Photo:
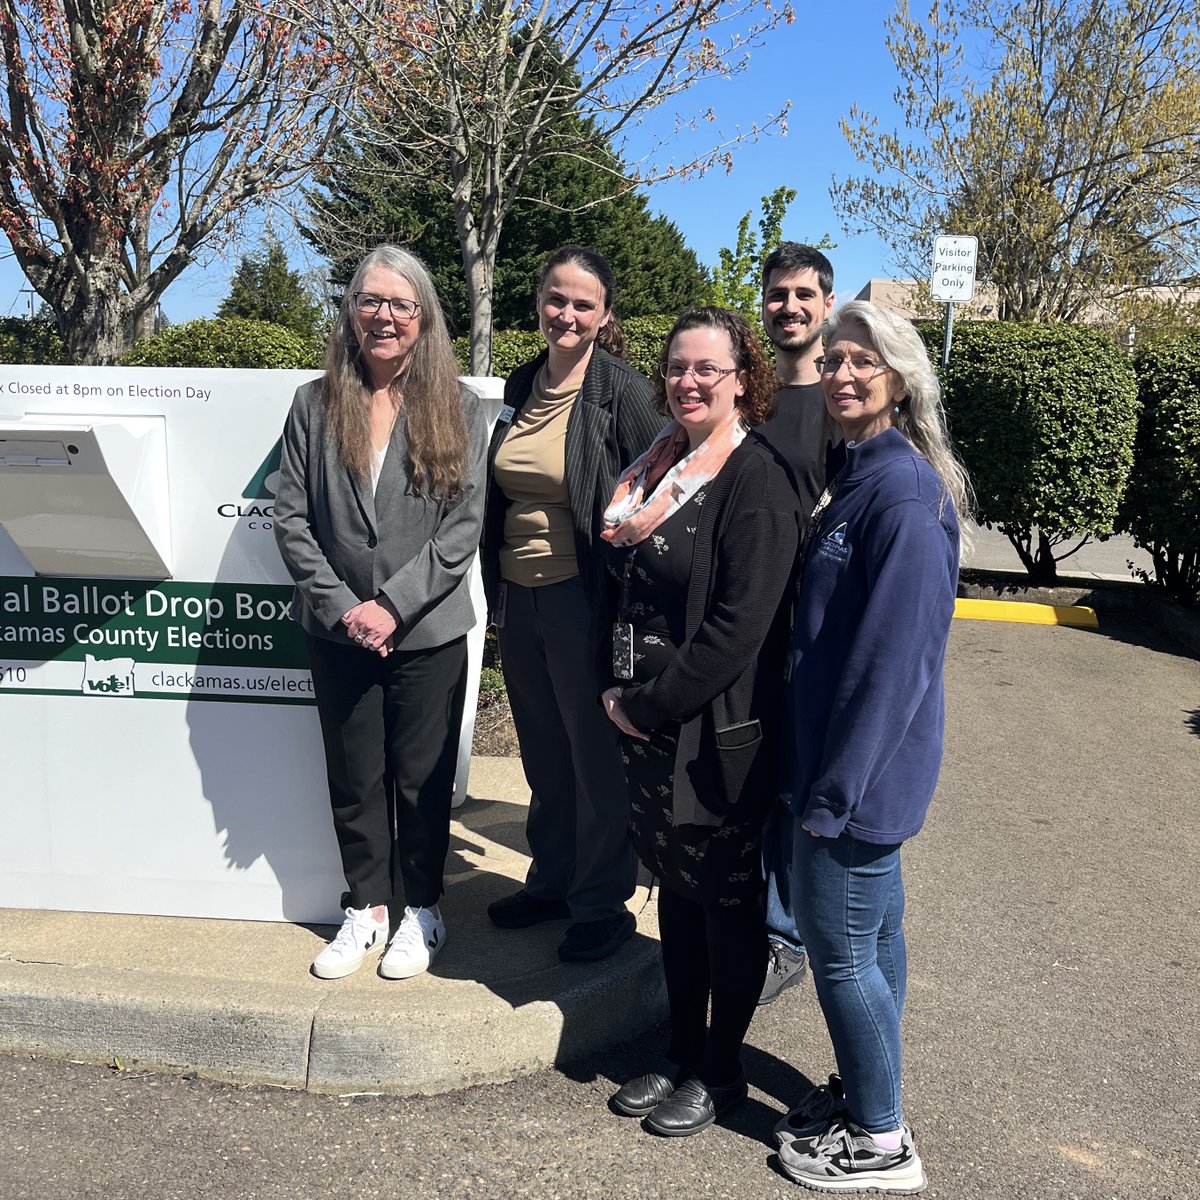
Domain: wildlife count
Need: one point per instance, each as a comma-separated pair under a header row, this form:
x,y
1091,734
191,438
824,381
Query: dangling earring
x,y
895,408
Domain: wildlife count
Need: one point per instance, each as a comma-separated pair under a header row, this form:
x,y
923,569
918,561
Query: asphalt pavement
x,y
1052,1033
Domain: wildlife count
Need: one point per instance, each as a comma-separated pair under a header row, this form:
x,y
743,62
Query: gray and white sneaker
x,y
361,934
846,1159
417,942
785,966
805,1124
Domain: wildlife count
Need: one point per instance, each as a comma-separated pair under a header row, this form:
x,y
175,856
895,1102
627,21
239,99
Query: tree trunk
x,y
95,328
480,274
1040,563
1044,572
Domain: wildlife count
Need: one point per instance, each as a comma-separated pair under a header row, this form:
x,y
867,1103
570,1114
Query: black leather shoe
x,y
644,1094
587,941
522,910
692,1107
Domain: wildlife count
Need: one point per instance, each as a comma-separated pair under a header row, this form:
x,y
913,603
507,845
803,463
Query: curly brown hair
x,y
758,402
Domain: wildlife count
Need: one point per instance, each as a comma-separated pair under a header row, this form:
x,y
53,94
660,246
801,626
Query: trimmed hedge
x,y
1162,507
225,342
1044,418
644,337
28,342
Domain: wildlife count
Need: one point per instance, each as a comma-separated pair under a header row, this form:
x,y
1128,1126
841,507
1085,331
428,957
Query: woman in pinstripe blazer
x,y
572,419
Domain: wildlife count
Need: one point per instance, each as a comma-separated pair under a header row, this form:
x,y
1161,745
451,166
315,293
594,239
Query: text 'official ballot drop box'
x,y
160,746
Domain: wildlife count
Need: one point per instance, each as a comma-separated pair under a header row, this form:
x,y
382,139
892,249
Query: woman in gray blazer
x,y
572,418
377,516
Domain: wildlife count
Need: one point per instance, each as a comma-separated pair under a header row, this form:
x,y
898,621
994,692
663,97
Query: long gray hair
x,y
427,389
921,418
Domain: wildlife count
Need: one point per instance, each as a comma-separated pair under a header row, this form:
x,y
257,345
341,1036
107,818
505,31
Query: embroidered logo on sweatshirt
x,y
834,544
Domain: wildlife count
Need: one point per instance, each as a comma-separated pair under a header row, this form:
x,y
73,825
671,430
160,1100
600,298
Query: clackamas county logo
x,y
256,510
834,544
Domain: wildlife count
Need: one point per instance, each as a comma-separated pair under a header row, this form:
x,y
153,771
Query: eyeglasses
x,y
862,366
706,374
402,311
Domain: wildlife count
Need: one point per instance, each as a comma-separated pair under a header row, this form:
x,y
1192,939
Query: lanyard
x,y
626,580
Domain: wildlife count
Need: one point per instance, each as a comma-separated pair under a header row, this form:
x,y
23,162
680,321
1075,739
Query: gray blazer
x,y
343,545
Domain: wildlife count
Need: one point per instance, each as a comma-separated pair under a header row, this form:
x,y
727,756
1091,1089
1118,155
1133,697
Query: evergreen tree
x,y
265,289
365,201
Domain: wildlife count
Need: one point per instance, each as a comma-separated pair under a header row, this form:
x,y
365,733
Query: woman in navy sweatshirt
x,y
879,576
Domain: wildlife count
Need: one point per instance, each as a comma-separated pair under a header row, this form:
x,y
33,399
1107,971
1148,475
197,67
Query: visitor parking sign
x,y
953,277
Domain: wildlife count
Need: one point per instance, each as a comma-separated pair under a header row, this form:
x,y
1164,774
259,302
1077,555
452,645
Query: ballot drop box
x,y
159,743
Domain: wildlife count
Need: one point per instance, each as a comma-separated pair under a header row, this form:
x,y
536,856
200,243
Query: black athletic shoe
x,y
587,941
522,910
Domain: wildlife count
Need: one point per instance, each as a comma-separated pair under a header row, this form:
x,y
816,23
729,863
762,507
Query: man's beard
x,y
802,347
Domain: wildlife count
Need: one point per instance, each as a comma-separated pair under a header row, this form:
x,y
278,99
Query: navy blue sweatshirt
x,y
872,622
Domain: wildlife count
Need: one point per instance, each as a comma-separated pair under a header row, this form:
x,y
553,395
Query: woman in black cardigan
x,y
709,525
572,418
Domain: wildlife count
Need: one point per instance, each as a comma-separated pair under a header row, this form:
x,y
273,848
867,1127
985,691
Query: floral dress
x,y
713,865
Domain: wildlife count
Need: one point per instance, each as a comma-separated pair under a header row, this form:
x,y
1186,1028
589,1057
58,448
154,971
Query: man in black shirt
x,y
797,298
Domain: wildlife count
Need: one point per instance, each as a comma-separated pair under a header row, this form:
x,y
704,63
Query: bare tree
x,y
1065,134
469,93
133,133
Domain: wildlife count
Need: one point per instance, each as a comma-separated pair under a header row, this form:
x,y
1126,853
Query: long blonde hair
x,y
921,417
426,390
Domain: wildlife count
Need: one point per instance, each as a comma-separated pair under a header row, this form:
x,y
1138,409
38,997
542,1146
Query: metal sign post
x,y
952,280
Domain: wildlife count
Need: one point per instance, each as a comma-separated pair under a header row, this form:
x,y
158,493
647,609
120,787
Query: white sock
x,y
888,1141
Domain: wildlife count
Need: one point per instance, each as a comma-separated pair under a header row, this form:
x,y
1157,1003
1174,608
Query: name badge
x,y
506,414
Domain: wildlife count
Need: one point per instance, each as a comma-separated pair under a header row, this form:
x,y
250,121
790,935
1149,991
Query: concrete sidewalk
x,y
234,1000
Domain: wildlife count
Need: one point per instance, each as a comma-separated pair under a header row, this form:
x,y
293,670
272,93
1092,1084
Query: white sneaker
x,y
360,934
420,936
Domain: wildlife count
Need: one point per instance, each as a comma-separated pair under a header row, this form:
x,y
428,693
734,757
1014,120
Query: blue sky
x,y
831,57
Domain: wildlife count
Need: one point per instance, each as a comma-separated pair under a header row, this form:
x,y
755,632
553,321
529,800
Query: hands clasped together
x,y
372,623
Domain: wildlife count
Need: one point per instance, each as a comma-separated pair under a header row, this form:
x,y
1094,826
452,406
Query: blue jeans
x,y
777,868
849,898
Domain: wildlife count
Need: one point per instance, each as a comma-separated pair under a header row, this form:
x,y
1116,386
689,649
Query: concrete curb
x,y
234,1000
1107,596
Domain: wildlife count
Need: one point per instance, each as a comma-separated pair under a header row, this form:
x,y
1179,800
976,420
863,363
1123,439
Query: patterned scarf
x,y
665,478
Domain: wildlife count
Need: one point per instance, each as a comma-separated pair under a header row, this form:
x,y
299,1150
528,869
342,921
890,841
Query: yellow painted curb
x,y
1030,614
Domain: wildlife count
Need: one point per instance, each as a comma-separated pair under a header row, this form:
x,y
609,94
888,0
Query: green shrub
x,y
1044,418
225,342
510,348
29,342
1162,506
644,338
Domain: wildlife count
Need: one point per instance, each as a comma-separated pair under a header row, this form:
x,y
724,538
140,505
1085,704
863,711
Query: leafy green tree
x,y
365,200
264,288
1071,155
737,279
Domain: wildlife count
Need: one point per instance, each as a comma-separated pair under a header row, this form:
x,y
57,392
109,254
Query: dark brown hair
x,y
758,402
610,336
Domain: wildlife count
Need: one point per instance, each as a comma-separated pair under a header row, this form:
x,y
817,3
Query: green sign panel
x,y
170,640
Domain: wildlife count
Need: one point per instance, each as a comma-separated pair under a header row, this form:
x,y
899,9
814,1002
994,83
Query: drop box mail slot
x,y
88,498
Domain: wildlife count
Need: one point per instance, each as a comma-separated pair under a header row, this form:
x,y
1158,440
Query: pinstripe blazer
x,y
343,544
612,421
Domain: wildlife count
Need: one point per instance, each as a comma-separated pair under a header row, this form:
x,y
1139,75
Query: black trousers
x,y
716,953
391,728
578,826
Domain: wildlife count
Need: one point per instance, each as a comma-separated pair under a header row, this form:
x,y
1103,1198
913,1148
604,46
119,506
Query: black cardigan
x,y
730,667
612,421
